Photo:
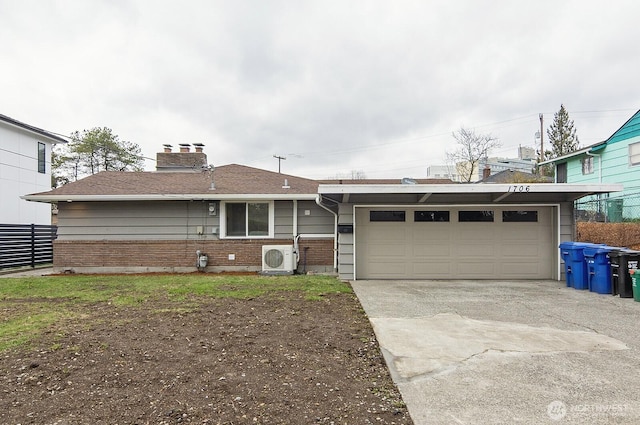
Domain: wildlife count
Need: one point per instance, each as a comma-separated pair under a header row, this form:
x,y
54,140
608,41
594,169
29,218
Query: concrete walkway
x,y
27,272
530,352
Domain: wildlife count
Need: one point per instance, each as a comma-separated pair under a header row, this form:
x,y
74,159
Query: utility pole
x,y
279,158
541,138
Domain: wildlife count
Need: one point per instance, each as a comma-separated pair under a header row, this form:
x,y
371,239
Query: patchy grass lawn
x,y
192,348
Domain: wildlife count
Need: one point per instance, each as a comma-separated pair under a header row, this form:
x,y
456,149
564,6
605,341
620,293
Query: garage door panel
x,y
475,249
512,249
431,250
466,233
383,267
519,269
431,269
476,269
391,250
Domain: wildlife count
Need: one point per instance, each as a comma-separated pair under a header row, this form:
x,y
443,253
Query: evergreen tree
x,y
562,135
93,151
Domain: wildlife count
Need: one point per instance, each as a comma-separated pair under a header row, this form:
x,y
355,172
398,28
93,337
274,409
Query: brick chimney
x,y
183,161
486,173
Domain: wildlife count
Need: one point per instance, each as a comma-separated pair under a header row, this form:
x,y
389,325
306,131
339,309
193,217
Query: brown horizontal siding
x,y
156,254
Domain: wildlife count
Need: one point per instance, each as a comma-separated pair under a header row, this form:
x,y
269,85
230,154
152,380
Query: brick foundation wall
x,y
180,255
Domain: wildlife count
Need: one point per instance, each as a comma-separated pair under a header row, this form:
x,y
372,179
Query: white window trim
x,y
636,155
223,219
587,160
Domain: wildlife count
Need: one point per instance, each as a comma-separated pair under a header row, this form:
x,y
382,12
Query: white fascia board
x,y
569,155
326,189
169,197
52,138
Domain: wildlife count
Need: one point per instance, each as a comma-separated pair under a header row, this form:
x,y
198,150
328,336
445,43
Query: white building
x,y
25,167
442,172
525,163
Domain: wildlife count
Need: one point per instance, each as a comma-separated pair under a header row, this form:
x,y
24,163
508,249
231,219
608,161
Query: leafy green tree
x,y
93,151
562,135
471,149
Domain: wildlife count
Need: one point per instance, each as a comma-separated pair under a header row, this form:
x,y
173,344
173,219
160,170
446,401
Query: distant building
x,y
442,172
524,163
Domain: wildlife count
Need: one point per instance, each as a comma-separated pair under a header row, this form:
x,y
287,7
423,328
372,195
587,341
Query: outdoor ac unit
x,y
278,259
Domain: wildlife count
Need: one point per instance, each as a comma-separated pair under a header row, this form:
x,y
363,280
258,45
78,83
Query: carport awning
x,y
439,194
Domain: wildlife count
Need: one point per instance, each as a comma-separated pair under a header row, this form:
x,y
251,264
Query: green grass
x,y
30,305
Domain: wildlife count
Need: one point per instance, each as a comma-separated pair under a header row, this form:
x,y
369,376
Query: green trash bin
x,y
635,277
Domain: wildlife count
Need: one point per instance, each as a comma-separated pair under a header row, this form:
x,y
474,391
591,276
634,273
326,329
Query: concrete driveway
x,y
525,352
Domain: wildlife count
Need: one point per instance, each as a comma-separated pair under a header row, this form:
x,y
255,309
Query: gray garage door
x,y
455,243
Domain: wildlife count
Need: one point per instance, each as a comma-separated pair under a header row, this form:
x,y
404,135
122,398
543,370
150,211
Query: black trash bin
x,y
623,260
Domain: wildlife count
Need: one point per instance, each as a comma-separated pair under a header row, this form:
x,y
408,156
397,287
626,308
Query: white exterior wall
x,y
19,176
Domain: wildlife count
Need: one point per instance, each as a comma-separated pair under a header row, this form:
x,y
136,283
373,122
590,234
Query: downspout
x,y
296,236
335,231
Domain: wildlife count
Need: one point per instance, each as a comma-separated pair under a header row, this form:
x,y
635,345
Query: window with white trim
x,y
587,165
253,219
634,154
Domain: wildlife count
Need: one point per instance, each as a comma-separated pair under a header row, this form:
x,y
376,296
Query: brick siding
x,y
180,254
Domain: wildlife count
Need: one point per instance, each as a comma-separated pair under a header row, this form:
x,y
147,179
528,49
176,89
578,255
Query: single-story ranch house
x,y
189,216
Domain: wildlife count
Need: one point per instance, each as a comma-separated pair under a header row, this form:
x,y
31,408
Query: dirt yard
x,y
269,360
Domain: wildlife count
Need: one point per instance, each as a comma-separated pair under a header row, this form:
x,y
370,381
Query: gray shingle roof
x,y
228,179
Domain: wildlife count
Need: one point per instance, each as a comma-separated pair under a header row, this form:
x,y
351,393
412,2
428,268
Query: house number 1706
x,y
516,188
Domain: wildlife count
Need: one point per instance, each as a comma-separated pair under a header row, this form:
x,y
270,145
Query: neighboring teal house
x,y
615,160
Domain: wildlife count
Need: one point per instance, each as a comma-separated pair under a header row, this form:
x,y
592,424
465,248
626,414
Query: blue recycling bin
x,y
599,268
576,271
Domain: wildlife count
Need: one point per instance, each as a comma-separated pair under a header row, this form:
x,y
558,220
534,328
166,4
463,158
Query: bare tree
x,y
353,175
471,149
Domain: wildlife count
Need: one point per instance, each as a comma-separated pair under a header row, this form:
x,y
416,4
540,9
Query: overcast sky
x,y
333,86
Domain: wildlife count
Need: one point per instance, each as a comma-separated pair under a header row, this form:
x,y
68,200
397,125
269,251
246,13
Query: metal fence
x,y
613,209
26,245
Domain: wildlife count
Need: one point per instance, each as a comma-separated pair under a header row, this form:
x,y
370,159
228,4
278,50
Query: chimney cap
x,y
198,144
167,145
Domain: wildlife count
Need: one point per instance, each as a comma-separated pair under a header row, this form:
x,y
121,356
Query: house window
x,y
387,216
634,153
422,216
587,165
520,216
561,173
247,219
473,216
42,158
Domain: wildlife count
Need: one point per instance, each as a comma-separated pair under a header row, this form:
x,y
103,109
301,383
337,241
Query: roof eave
x,y
170,197
596,147
35,130
470,188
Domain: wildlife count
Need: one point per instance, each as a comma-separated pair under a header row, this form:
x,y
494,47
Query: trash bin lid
x,y
590,251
